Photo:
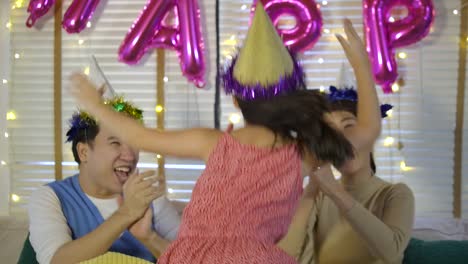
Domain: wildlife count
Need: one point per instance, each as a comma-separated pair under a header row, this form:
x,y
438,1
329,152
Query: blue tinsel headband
x,y
349,94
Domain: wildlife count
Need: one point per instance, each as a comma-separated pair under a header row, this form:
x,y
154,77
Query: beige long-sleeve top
x,y
375,230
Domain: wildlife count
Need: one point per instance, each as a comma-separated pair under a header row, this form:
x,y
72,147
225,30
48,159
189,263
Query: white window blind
x,y
31,97
423,119
4,95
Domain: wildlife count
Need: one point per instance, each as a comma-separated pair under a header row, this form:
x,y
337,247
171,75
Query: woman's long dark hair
x,y
299,117
351,107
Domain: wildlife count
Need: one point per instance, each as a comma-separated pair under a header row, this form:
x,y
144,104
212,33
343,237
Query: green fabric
x,y
28,255
436,252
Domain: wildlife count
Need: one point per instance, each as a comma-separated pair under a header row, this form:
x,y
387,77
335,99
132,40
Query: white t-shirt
x,y
49,229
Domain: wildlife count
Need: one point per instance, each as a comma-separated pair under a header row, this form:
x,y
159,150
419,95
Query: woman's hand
x,y
324,180
353,47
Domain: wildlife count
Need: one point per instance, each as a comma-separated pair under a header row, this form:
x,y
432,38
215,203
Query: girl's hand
x,y
84,91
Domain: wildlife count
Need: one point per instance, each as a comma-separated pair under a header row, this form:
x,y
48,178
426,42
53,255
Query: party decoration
x,y
78,14
151,31
263,49
82,120
384,36
308,18
349,94
37,9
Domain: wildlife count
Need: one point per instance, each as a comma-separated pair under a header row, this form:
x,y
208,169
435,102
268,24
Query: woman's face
x,y
342,120
345,122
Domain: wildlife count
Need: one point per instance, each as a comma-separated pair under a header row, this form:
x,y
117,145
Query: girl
x,y
243,202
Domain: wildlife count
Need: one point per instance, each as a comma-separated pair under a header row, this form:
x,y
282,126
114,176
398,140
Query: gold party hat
x,y
263,49
264,67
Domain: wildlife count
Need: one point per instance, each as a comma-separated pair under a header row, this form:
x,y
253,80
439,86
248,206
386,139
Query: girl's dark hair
x,y
299,117
351,106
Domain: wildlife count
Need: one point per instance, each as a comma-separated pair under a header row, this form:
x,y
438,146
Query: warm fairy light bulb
x,y
15,198
170,190
402,55
11,115
455,12
395,87
6,134
390,113
80,42
391,19
243,7
321,60
5,81
322,89
3,163
159,108
231,41
234,118
389,141
324,3
8,25
403,166
86,70
88,25
19,3
17,56
165,79
327,31
158,156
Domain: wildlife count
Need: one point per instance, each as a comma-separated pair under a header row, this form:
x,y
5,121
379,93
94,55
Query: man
x,y
108,206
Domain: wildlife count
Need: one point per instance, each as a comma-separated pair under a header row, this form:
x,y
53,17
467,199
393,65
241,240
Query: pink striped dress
x,y
241,207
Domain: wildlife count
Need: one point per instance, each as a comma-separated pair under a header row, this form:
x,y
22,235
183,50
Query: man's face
x,y
110,162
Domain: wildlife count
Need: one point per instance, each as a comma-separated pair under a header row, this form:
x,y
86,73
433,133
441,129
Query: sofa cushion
x,y
436,252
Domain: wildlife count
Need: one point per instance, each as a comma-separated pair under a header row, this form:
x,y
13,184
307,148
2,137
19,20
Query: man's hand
x,y
143,228
138,193
143,231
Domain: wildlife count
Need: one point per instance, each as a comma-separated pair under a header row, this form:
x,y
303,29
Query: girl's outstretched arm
x,y
191,143
368,127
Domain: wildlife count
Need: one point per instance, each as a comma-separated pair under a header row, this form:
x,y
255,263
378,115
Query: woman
x,y
360,218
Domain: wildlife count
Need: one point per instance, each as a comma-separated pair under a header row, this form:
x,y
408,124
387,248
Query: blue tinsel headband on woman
x,y
349,94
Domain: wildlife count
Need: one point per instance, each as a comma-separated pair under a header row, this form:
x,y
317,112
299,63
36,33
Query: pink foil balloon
x,y
308,18
150,31
78,14
384,36
37,9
